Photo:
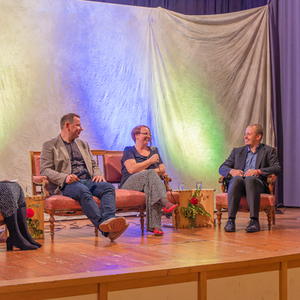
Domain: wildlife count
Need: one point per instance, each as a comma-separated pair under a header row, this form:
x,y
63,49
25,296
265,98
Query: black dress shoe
x,y
230,226
253,226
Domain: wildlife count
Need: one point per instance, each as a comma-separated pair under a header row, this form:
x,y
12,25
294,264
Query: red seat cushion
x,y
57,202
265,200
127,198
124,198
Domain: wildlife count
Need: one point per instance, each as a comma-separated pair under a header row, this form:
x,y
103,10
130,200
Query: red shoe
x,y
170,207
158,232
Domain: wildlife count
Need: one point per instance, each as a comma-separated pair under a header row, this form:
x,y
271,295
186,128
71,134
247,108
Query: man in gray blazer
x,y
72,170
248,167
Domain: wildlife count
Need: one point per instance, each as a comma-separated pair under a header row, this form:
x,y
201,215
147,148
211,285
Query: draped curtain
x,y
285,61
285,58
196,81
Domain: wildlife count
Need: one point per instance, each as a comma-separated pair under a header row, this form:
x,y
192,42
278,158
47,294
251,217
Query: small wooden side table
x,y
36,226
206,200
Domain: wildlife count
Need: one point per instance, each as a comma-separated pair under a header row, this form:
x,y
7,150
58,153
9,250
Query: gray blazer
x,y
56,163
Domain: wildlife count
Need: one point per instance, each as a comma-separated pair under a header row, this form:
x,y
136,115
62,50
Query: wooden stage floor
x,y
77,251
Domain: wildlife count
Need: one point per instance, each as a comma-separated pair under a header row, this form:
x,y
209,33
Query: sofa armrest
x,y
166,178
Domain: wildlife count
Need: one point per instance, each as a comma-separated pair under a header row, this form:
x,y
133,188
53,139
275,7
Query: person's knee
x,y
236,181
252,181
109,187
78,191
152,173
105,187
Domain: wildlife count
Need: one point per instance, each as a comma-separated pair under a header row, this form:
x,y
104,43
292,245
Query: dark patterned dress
x,y
11,198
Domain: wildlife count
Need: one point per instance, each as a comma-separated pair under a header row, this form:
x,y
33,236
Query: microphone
x,y
157,163
155,152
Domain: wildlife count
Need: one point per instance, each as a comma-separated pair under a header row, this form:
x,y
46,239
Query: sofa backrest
x,y
35,158
112,166
109,161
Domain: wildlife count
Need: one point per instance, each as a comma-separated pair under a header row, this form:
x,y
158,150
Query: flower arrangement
x,y
192,209
33,224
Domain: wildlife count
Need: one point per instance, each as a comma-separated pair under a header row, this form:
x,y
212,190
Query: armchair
x,y
267,201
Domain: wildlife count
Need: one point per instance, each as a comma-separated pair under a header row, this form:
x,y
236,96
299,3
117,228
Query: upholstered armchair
x,y
267,201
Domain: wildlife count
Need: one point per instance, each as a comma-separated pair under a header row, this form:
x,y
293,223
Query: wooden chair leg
x,y
52,220
273,215
176,212
269,215
96,231
142,221
219,215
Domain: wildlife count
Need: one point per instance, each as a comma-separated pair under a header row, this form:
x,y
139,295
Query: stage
x,y
203,263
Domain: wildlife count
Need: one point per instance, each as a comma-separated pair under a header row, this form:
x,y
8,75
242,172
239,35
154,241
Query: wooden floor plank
x,y
79,251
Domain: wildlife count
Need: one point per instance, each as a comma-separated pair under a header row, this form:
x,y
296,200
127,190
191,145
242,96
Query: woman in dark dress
x,y
141,170
13,210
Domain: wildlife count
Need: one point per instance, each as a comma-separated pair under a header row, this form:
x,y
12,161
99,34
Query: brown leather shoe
x,y
113,225
114,235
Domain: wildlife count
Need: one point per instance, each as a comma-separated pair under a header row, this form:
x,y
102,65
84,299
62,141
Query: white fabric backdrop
x,y
196,81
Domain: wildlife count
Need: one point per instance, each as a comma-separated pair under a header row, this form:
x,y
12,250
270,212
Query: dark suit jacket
x,y
266,161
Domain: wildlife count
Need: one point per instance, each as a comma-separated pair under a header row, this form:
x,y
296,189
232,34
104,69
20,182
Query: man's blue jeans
x,y
84,190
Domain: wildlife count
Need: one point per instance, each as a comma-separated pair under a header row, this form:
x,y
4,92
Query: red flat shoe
x,y
158,232
170,207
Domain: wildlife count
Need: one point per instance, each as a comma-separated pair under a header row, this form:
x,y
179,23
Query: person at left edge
x,y
65,157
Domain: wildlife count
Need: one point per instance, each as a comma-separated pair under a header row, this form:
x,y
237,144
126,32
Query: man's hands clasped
x,y
250,172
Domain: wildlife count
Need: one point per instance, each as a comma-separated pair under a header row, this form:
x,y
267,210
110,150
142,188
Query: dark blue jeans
x,y
84,190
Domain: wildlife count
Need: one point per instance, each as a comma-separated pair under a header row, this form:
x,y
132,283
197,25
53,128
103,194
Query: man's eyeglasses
x,y
145,133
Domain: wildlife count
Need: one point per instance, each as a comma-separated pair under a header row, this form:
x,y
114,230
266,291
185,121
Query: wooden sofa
x,y
110,163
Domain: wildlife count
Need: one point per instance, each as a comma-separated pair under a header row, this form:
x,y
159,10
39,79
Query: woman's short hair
x,y
136,130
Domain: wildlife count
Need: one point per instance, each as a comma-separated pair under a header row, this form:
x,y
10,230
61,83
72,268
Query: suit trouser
x,y
251,187
84,190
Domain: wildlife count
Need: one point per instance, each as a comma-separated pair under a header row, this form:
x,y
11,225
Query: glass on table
x,y
180,185
198,185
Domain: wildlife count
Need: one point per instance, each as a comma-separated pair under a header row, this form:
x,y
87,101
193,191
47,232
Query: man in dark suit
x,y
249,166
70,167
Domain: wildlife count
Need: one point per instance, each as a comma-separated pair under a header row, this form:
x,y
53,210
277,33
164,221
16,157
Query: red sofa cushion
x,y
265,199
64,203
